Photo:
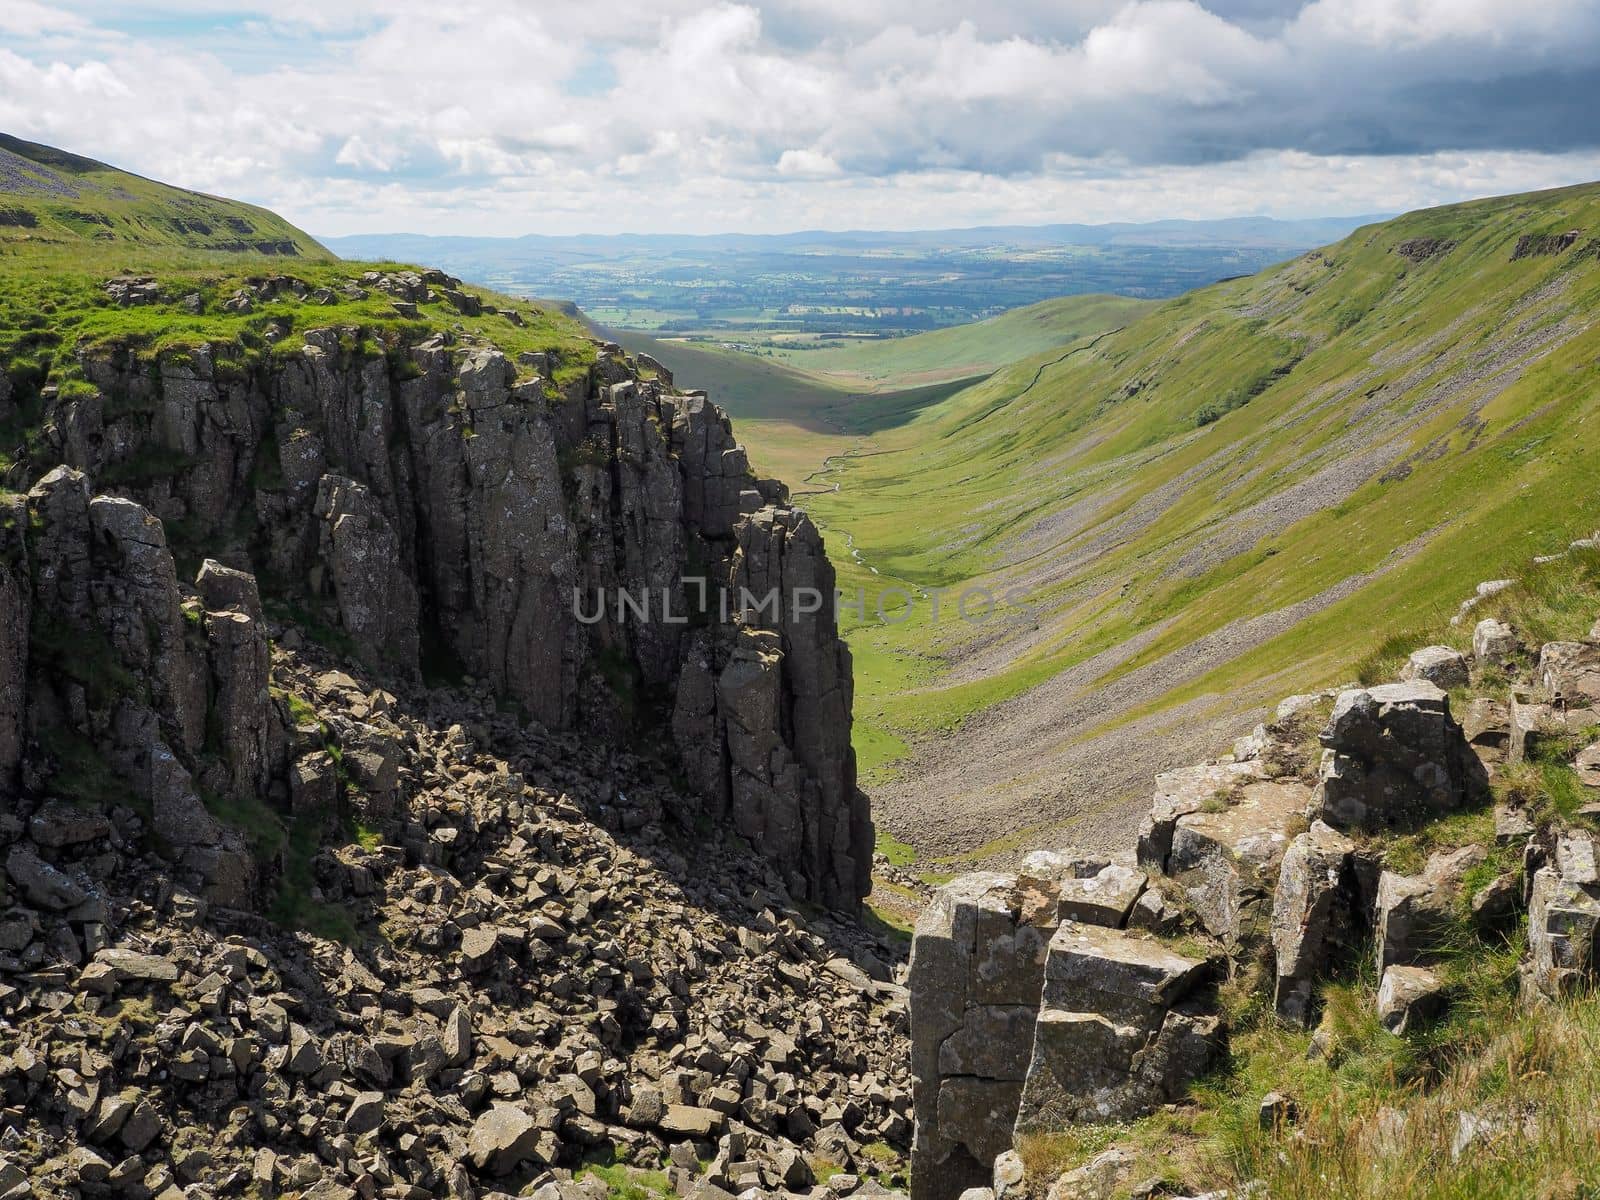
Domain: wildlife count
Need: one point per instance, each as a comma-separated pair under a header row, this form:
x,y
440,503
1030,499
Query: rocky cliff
x,y
424,771
1086,989
587,543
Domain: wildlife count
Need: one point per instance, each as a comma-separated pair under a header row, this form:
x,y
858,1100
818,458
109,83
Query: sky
x,y
604,116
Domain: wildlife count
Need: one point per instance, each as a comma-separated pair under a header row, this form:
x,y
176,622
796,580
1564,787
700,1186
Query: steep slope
x,y
49,195
422,769
1240,491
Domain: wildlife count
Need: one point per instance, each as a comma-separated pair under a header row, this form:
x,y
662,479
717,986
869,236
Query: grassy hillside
x,y
1241,493
802,401
50,196
74,234
963,350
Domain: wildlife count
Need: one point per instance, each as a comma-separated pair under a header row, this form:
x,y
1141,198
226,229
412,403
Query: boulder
x,y
1486,724
1415,914
1408,996
974,985
1226,856
1563,921
1315,915
502,1137
56,824
1180,793
42,884
1438,665
1494,643
1569,672
1062,885
1395,756
1121,1029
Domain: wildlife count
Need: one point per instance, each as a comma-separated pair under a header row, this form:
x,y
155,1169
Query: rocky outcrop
x,y
588,547
1120,1029
1318,915
513,989
1564,920
16,616
1395,756
977,973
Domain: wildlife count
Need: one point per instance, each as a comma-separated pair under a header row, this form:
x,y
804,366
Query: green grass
x,y
1082,478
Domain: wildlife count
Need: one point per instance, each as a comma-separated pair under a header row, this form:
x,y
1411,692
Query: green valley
x,y
1239,492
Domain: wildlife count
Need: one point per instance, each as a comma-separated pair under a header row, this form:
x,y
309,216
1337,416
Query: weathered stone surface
x,y
974,987
1408,996
1226,857
1439,665
1494,643
41,883
1057,886
16,617
376,598
1115,1034
502,1137
1414,913
1564,921
1570,672
1394,756
1180,793
1315,915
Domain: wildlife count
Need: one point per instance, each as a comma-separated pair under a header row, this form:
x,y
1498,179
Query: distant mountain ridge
x,y
1232,231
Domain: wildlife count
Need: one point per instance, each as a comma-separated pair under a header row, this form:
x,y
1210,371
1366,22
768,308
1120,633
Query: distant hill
x,y
48,195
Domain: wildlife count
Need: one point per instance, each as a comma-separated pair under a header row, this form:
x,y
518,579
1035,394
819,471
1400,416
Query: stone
x,y
377,600
689,1121
1395,757
1563,921
1097,1179
1226,857
43,884
1415,913
113,967
1182,793
1276,1112
1438,665
1569,672
57,824
1408,996
1587,765
502,1137
977,969
1059,886
224,589
1494,643
1115,1036
1314,915
365,1114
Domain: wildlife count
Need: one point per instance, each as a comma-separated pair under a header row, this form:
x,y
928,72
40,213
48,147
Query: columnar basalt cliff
x,y
589,543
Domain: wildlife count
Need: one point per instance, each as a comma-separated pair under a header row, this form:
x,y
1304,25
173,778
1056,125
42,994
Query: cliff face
x,y
434,509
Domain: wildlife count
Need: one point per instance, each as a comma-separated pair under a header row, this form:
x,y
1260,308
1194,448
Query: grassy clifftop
x,y
92,257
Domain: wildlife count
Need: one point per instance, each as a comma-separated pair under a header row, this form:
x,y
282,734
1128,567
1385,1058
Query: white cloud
x,y
373,114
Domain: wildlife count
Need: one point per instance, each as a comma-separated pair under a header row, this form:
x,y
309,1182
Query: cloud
x,y
677,114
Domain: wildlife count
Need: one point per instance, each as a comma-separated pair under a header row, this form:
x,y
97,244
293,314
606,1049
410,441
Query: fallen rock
x,y
1408,996
1438,665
